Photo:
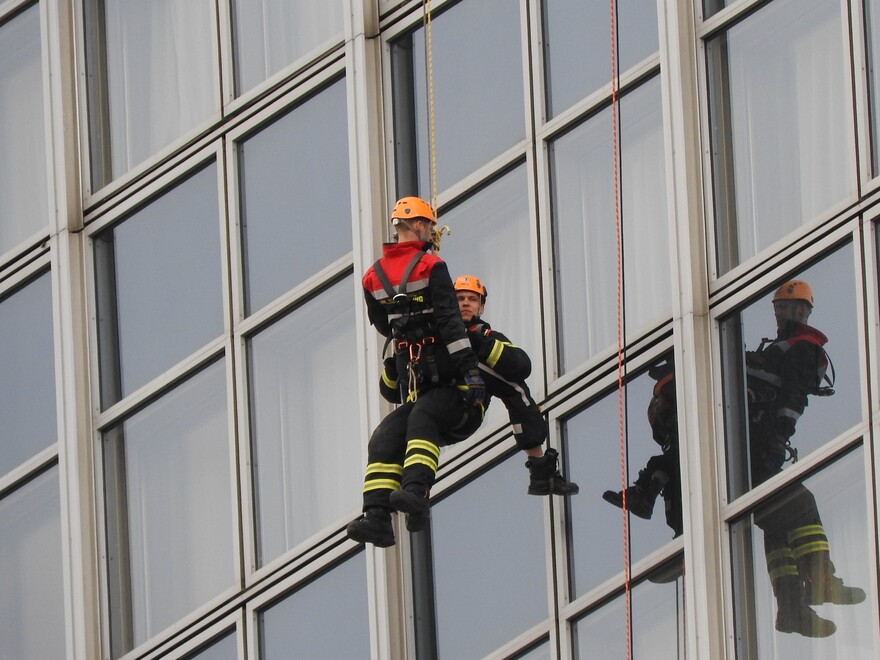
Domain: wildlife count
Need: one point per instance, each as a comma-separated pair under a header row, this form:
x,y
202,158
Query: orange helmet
x,y
412,208
794,290
470,283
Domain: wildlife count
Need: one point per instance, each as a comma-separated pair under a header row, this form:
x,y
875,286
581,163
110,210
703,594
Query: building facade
x,y
189,193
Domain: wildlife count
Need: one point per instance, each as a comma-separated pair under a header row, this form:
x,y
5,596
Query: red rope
x,y
620,402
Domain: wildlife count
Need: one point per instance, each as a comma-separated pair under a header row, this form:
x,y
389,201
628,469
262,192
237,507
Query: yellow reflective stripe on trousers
x,y
394,468
806,530
380,484
810,548
427,445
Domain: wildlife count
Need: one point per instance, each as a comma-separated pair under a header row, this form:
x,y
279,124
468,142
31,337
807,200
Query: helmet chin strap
x,y
409,226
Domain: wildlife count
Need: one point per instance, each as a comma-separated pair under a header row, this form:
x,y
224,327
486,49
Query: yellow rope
x,y
436,234
429,78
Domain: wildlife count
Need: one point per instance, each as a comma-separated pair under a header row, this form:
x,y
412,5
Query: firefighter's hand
x,y
481,344
775,453
390,364
476,387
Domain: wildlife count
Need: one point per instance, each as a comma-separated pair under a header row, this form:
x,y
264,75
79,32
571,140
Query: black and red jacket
x,y
782,373
429,314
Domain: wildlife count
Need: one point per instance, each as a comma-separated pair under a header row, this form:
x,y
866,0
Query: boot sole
x,y
410,503
365,536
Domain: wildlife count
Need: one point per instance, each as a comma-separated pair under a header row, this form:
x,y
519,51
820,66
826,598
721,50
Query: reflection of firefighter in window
x,y
661,475
410,300
781,374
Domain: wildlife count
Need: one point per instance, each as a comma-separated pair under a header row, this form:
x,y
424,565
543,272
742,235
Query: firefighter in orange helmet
x,y
505,368
411,301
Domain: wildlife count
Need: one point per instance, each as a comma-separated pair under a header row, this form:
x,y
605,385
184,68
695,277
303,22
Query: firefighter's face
x,y
788,311
423,229
469,304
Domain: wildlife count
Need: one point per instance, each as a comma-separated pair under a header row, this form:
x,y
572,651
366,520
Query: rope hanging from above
x,y
439,230
620,322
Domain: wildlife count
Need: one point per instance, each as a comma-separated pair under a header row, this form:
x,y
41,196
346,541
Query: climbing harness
x,y
406,338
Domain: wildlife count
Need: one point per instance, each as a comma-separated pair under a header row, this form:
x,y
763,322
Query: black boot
x,y
545,478
822,585
793,614
415,504
638,502
641,496
372,527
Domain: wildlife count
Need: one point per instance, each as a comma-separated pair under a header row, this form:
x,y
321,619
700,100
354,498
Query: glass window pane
x,y
712,7
808,555
225,648
270,34
585,238
540,652
872,40
307,458
295,196
577,45
479,109
23,171
170,523
593,457
32,597
781,122
309,619
153,78
27,373
657,624
471,529
496,223
773,393
159,285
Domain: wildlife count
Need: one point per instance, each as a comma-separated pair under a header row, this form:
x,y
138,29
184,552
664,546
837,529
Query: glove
x,y
774,453
476,388
390,364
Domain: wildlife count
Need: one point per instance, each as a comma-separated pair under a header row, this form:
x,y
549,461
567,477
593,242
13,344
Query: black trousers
x,y
404,449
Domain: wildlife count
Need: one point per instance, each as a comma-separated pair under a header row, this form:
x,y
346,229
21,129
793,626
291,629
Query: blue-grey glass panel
x,y
270,34
295,196
300,379
27,373
577,45
712,7
787,535
327,618
592,443
539,652
159,285
497,221
657,624
470,534
170,518
154,77
32,597
23,162
872,42
225,648
585,233
826,415
479,109
781,124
